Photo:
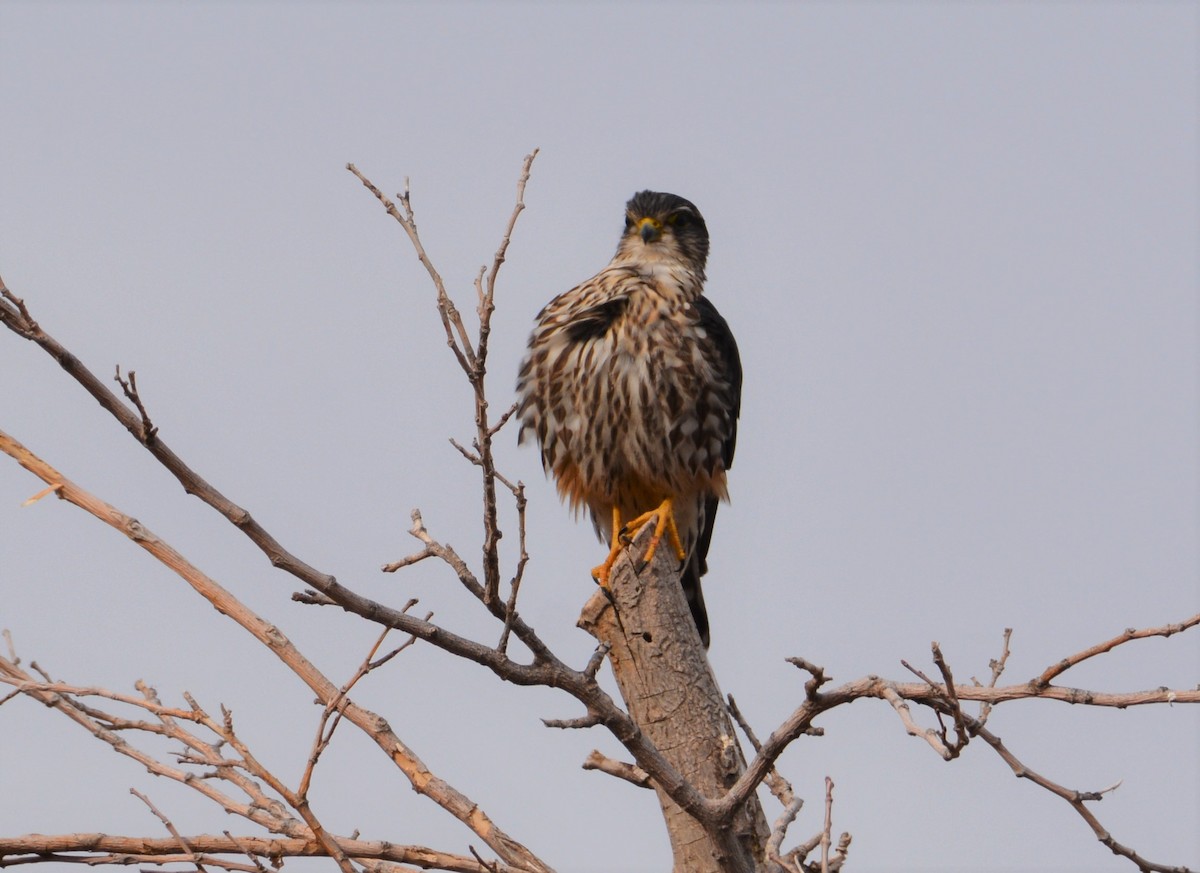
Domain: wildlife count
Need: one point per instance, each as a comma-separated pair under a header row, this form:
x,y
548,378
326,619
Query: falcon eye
x,y
628,222
680,219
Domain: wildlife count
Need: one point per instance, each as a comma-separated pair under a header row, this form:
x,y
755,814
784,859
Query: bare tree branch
x,y
778,786
825,832
129,386
261,810
631,773
418,774
183,843
1055,670
106,849
472,360
715,812
997,666
1075,799
546,668
456,335
658,661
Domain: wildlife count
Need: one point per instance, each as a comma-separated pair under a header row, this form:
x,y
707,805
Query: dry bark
x,y
669,689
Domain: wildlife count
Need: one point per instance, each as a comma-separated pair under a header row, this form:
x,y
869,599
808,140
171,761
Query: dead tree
x,y
675,726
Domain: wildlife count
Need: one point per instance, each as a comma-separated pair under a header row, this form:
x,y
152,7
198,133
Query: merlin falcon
x,y
632,385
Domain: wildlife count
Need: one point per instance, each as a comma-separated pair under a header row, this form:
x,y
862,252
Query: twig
x,y
106,727
414,558
825,832
596,660
997,666
332,711
45,492
1055,670
778,786
1075,799
296,800
407,761
450,317
169,826
486,865
103,848
584,721
929,735
129,386
813,685
961,737
514,585
472,360
14,314
470,456
779,830
500,422
247,851
631,773
312,598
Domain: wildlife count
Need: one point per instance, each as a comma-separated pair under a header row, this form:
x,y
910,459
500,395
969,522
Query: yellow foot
x,y
666,524
603,571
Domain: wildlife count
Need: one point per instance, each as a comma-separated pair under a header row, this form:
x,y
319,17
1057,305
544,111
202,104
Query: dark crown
x,y
677,213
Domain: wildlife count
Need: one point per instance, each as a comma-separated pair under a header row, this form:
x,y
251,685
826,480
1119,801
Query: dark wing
x,y
729,365
584,313
594,322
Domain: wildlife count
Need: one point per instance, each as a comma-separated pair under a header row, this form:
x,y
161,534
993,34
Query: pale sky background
x,y
957,245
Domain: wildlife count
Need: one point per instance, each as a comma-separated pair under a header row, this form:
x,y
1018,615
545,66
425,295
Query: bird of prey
x,y
632,385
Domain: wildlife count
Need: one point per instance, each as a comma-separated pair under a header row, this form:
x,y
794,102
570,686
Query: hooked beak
x,y
650,229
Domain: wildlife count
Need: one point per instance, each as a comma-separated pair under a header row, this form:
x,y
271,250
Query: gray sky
x,y
956,243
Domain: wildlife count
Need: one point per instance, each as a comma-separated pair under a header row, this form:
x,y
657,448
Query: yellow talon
x,y
666,524
602,572
624,534
665,513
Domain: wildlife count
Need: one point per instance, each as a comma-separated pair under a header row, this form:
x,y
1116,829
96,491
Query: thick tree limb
x,y
668,686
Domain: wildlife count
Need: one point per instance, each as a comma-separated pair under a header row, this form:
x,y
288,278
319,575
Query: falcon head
x,y
666,228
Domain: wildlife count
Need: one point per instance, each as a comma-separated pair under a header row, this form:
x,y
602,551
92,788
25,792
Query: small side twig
x,y
997,666
183,844
331,712
489,866
514,585
1050,673
312,598
961,736
631,773
825,831
129,386
778,785
929,735
247,851
584,721
819,678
